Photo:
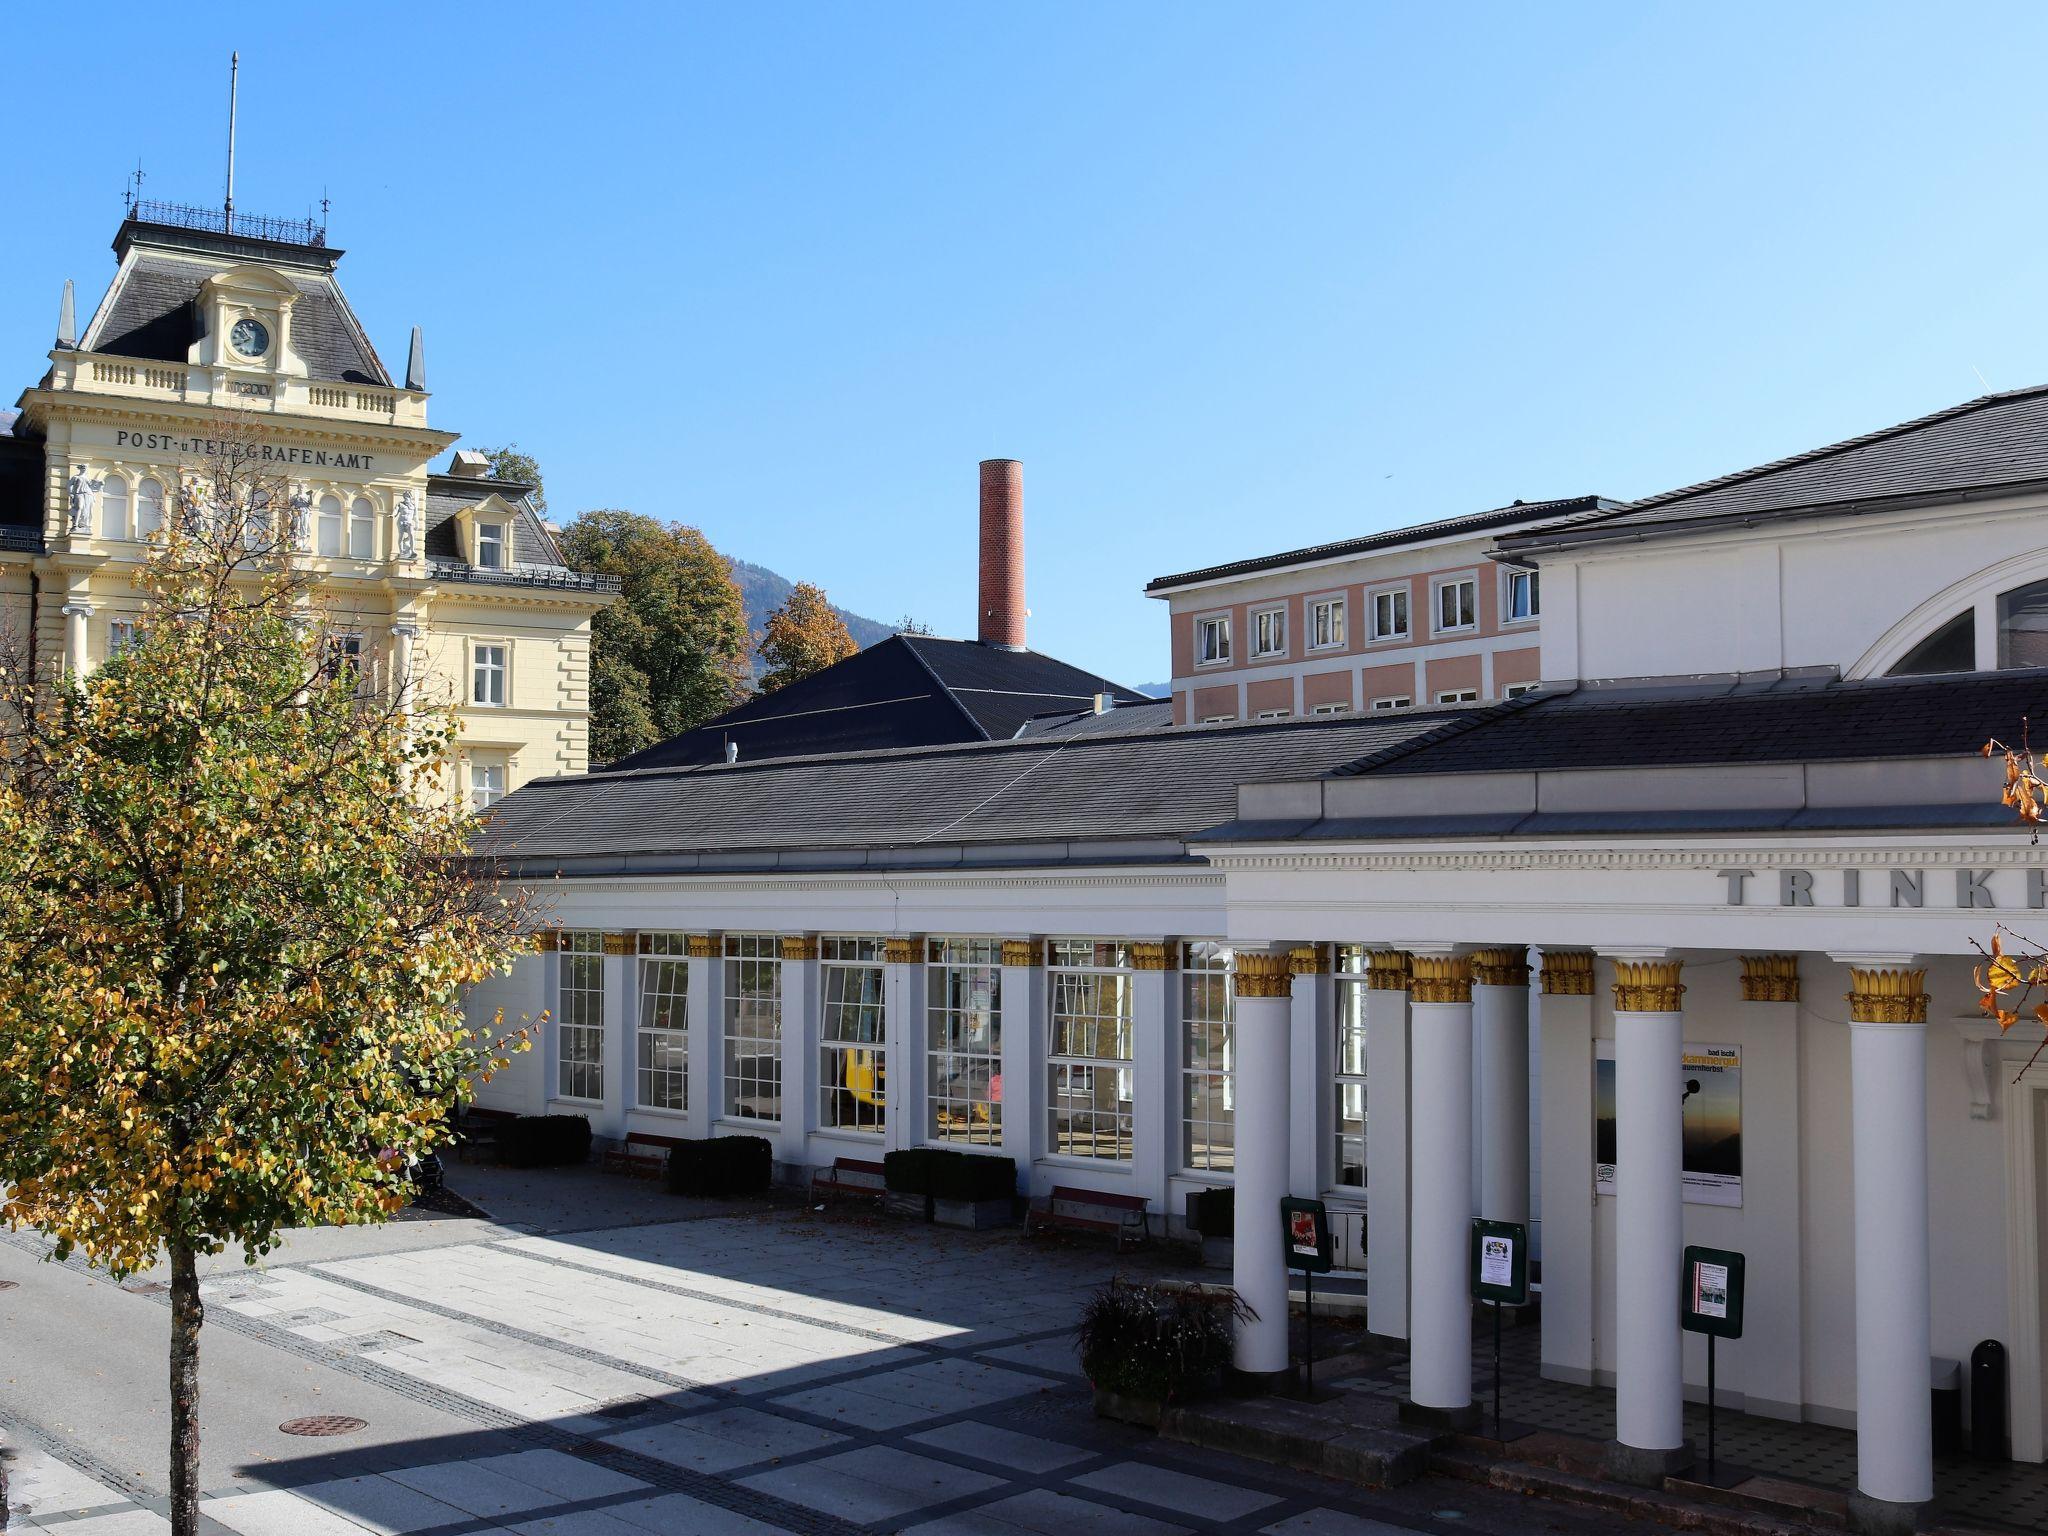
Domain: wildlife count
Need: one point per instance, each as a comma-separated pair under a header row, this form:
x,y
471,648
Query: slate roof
x,y
1022,802
1492,521
1157,715
148,312
905,691
449,494
1990,443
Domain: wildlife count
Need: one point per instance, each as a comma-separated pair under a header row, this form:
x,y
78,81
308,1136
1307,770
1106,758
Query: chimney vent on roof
x,y
1104,703
469,464
1002,554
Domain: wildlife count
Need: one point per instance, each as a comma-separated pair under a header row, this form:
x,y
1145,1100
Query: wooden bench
x,y
476,1131
642,1153
854,1177
1090,1210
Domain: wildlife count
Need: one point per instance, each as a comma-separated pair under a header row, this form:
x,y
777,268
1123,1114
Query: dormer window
x,y
490,546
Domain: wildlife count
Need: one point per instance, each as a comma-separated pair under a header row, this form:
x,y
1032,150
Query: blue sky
x,y
1228,279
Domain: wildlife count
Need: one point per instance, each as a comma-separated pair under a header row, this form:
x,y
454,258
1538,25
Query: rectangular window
x,y
1516,690
850,1031
753,1026
343,660
486,784
1207,1106
1390,614
1218,719
964,1041
661,1079
579,1035
329,528
1348,1169
1089,1078
1212,641
1458,696
1525,595
1396,701
490,546
362,528
121,634
1331,709
1326,623
487,684
1269,632
1273,714
1457,605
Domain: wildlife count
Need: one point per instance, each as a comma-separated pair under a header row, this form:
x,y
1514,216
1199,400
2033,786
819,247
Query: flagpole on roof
x,y
234,81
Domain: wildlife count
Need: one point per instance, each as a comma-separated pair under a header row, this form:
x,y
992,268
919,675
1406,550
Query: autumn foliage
x,y
805,635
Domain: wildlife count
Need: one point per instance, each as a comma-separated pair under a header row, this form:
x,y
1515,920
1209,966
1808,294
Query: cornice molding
x,y
898,882
44,405
1708,858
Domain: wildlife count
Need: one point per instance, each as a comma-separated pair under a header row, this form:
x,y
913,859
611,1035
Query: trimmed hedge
x,y
721,1166
543,1141
941,1174
1216,1212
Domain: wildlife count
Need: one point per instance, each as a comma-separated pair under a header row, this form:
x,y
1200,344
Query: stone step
x,y
1352,1436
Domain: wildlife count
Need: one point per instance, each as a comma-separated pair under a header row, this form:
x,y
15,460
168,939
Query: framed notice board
x,y
1711,1302
1305,1235
1500,1262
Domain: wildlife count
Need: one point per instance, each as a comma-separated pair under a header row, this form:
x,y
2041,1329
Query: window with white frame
x,y
1516,690
114,507
1272,714
149,507
1390,614
490,546
1208,1139
1525,594
121,635
362,528
579,1036
486,783
1217,719
753,1026
661,1078
1326,623
1269,632
1392,701
327,527
850,1034
1212,640
1458,696
1348,1123
487,675
1330,709
1457,605
964,1041
1089,1078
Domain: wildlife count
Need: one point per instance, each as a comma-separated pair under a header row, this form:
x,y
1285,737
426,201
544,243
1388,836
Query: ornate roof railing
x,y
251,226
524,576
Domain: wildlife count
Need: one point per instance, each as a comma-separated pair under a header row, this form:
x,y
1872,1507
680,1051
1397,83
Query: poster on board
x,y
1709,1086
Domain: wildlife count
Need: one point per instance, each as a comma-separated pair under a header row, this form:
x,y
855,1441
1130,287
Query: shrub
x,y
1216,1212
909,1172
721,1166
543,1141
1166,1345
939,1173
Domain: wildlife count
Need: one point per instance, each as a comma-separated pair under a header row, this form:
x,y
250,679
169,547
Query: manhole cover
x,y
324,1424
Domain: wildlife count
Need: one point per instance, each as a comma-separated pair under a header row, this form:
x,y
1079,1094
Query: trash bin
x,y
1988,1402
1945,1380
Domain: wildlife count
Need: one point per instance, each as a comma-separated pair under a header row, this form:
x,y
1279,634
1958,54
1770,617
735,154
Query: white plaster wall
x,y
519,1088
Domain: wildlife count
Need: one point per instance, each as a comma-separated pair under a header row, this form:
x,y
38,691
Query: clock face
x,y
250,337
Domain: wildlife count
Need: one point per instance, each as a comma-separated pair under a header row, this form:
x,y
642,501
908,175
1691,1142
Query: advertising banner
x,y
1709,1086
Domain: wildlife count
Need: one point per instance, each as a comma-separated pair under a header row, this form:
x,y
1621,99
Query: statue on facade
x,y
84,488
191,502
408,526
302,518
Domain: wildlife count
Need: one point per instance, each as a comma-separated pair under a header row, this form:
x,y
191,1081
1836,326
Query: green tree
x,y
511,463
237,914
672,652
803,636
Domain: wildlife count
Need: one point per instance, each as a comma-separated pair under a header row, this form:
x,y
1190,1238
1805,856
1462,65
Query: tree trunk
x,y
186,1315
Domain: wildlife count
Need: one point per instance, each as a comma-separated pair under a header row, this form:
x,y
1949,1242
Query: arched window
x,y
1951,648
362,528
149,507
114,508
330,527
2023,626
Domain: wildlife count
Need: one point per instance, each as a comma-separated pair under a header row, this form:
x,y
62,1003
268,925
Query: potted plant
x,y
1145,1348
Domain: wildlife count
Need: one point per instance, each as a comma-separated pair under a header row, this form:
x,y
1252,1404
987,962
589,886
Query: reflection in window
x,y
855,1063
753,1026
1951,648
1349,1170
2023,626
965,1041
1207,1109
662,1073
580,1034
1089,1091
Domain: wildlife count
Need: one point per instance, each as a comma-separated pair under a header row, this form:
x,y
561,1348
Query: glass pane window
x,y
1089,1046
1457,605
579,1032
964,1041
753,1026
343,659
1951,648
2023,626
662,1067
121,634
1269,632
1348,1120
1390,615
1207,1107
487,686
362,528
1393,701
327,527
490,546
114,508
1212,640
149,507
486,785
854,1069
1326,622
1525,597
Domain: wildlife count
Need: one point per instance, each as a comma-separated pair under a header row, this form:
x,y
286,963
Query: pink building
x,y
1414,616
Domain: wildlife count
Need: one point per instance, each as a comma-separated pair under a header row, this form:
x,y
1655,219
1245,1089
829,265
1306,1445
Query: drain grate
x,y
324,1424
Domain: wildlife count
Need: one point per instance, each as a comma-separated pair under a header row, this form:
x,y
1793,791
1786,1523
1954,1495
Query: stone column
x,y
707,1017
1022,1001
1440,1222
1500,1018
903,1025
1155,1075
1258,1268
1310,1004
1567,1130
1649,1221
77,655
799,1049
1386,1142
1888,1089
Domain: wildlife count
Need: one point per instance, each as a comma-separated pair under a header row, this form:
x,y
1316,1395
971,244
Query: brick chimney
x,y
1002,554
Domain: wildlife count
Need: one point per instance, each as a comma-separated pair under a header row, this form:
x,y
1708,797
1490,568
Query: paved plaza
x,y
678,1368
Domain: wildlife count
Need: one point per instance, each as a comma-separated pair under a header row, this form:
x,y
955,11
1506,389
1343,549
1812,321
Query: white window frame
x,y
1219,719
1347,1066
1392,701
362,527
498,671
1377,636
482,793
1218,623
149,506
1516,690
853,1035
121,635
1269,631
579,1030
1330,709
116,506
1208,1105
492,541
1457,696
753,1017
1274,714
1438,586
1090,987
964,1043
661,1050
1512,577
1334,607
330,526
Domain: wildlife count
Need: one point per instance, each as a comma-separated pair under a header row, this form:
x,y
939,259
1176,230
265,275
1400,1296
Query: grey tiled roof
x,y
1154,715
1491,521
449,494
1008,800
1978,446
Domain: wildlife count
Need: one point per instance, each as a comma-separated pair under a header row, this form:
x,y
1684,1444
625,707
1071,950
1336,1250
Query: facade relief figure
x,y
84,493
408,526
191,502
302,519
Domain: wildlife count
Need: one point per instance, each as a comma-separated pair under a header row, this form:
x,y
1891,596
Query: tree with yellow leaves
x,y
238,909
803,636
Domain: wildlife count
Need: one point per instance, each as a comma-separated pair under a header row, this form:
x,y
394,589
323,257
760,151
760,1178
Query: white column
x,y
1888,1092
1022,1015
1386,1143
621,1005
1566,1124
1155,1076
403,682
1259,1034
1309,1051
77,657
903,1024
799,1048
1649,1218
1500,1024
546,1035
702,1089
1440,1223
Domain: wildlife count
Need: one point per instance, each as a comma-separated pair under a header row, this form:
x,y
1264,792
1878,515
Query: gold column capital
x,y
1770,978
904,951
1568,972
1262,975
547,941
1152,955
1501,967
1387,970
1309,960
1648,986
1887,997
701,946
799,946
1026,952
1441,979
619,944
